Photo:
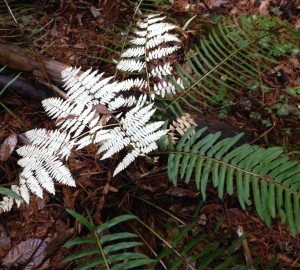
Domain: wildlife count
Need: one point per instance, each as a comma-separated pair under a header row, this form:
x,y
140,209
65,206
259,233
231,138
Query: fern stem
x,y
148,245
13,115
161,239
98,241
127,34
266,178
208,73
161,209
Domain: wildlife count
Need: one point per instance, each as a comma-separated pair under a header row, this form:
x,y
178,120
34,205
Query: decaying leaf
x,y
181,192
5,241
264,7
8,147
95,12
28,253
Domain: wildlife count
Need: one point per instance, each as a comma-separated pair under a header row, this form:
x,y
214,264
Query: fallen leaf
x,y
32,249
95,12
181,192
216,3
102,109
264,7
8,147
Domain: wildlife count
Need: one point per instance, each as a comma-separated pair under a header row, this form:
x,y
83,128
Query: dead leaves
x,y
28,253
8,146
264,7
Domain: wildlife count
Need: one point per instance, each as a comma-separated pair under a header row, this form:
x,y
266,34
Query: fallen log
x,y
21,59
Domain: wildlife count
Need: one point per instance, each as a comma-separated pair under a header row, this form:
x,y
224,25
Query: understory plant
x,y
130,117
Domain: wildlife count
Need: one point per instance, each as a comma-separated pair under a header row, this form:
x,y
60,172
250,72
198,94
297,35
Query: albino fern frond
x,y
115,144
152,40
102,111
131,65
71,117
128,159
161,52
157,40
41,163
134,52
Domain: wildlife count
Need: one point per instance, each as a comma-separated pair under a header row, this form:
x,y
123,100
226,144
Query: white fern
x,y
123,121
131,65
151,41
41,163
161,52
134,132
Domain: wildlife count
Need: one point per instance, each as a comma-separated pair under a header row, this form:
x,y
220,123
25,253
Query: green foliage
x,y
8,192
232,58
108,250
203,251
18,22
273,177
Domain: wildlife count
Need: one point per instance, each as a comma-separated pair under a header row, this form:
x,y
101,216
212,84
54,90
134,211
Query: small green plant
x,y
106,250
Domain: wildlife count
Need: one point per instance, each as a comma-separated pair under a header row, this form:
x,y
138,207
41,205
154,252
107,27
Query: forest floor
x,y
74,36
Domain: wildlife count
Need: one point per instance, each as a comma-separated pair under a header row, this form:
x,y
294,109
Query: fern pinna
x,y
266,175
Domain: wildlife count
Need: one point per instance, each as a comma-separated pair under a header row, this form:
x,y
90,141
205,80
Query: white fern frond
x,y
133,52
139,41
140,33
128,159
99,85
162,70
6,204
164,88
70,72
24,191
54,141
82,89
134,132
159,29
161,52
41,163
159,39
120,101
155,19
131,65
31,182
128,84
95,137
115,144
71,117
102,111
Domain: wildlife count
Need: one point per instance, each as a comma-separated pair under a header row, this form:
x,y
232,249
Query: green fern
x,y
232,57
266,175
203,251
112,250
18,24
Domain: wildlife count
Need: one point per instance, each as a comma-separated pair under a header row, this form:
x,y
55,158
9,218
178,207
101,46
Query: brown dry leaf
x,y
8,147
181,192
297,24
264,7
95,12
21,253
5,241
102,109
216,3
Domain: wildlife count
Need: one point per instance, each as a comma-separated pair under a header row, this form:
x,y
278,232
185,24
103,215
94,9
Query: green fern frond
x,y
232,57
266,175
108,250
18,23
203,251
